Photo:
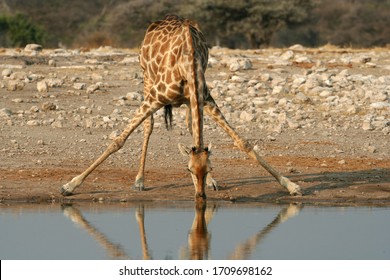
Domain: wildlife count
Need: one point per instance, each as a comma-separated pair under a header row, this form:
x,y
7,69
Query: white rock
x,y
79,86
52,63
129,60
259,101
92,88
380,105
298,81
6,72
240,64
287,55
247,117
367,125
33,123
114,134
325,93
33,48
15,85
57,124
279,90
134,96
302,59
42,86
54,82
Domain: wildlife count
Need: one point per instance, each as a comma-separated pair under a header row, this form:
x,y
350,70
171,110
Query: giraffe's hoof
x,y
138,185
69,187
213,185
65,192
137,188
295,190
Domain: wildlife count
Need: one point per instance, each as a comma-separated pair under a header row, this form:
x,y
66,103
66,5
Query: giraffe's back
x,y
171,46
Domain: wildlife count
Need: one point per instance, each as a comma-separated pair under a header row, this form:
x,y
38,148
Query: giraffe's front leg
x,y
143,112
213,111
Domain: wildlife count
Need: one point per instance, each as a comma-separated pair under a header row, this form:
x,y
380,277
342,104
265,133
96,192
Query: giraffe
x,y
174,57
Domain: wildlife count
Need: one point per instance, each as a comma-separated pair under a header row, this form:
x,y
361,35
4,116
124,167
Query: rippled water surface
x,y
182,231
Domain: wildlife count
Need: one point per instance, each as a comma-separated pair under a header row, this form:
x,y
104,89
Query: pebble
x,y
42,86
5,112
79,86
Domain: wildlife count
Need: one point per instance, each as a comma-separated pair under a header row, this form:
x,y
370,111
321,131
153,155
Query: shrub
x,y
18,31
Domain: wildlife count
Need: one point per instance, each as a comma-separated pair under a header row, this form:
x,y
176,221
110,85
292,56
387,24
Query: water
x,y
179,231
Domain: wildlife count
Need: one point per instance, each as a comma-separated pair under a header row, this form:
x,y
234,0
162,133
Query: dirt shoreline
x,y
331,142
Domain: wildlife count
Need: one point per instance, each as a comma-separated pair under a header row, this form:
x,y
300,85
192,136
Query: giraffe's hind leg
x,y
215,113
148,129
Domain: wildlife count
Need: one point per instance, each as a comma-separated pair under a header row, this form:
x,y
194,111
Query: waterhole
x,y
184,231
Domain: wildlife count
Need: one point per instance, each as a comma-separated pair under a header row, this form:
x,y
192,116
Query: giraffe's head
x,y
199,166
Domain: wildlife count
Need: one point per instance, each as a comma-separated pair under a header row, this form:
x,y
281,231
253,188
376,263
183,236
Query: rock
x,y
6,72
92,88
42,86
48,106
54,82
34,109
33,122
287,55
79,86
129,60
293,124
302,59
238,79
33,48
279,90
15,85
134,96
52,63
57,124
259,101
114,134
380,105
240,64
367,125
298,81
325,93
5,112
302,98
297,47
247,117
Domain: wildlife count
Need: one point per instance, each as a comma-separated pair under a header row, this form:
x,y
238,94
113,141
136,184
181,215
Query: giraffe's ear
x,y
185,151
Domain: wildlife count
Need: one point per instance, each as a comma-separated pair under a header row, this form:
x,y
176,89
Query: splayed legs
x,y
142,113
214,112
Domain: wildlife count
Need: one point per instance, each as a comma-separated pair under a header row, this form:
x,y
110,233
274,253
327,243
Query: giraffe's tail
x,y
168,116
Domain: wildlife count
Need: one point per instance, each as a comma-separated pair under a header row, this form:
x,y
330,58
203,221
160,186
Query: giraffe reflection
x,y
115,251
199,238
245,249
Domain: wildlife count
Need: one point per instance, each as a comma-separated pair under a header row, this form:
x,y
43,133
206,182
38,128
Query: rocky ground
x,y
320,116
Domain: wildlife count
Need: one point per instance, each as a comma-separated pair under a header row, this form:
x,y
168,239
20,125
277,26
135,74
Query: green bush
x,y
18,31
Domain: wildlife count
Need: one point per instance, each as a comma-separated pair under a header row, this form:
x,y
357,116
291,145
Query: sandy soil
x,y
332,166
